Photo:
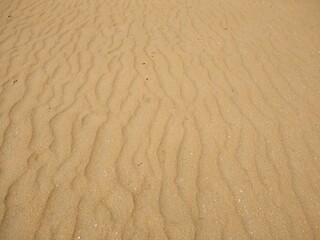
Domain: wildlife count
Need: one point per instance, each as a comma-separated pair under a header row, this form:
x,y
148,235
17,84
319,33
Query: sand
x,y
180,119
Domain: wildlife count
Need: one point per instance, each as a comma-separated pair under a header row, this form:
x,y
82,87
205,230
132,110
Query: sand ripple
x,y
135,119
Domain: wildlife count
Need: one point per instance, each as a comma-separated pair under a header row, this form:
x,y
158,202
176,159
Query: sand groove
x,y
187,119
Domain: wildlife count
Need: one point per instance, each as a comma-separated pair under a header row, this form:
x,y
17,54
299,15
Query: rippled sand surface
x,y
167,119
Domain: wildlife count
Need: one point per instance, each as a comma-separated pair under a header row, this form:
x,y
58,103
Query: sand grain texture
x,y
136,119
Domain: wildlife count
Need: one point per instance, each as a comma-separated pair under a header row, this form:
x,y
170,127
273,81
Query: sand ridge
x,y
136,119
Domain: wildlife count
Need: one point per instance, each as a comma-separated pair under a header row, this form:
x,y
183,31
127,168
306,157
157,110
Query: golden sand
x,y
168,119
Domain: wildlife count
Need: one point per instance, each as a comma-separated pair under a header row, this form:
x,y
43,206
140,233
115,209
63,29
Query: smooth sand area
x,y
159,119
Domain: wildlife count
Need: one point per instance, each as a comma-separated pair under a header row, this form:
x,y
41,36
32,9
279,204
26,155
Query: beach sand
x,y
180,119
